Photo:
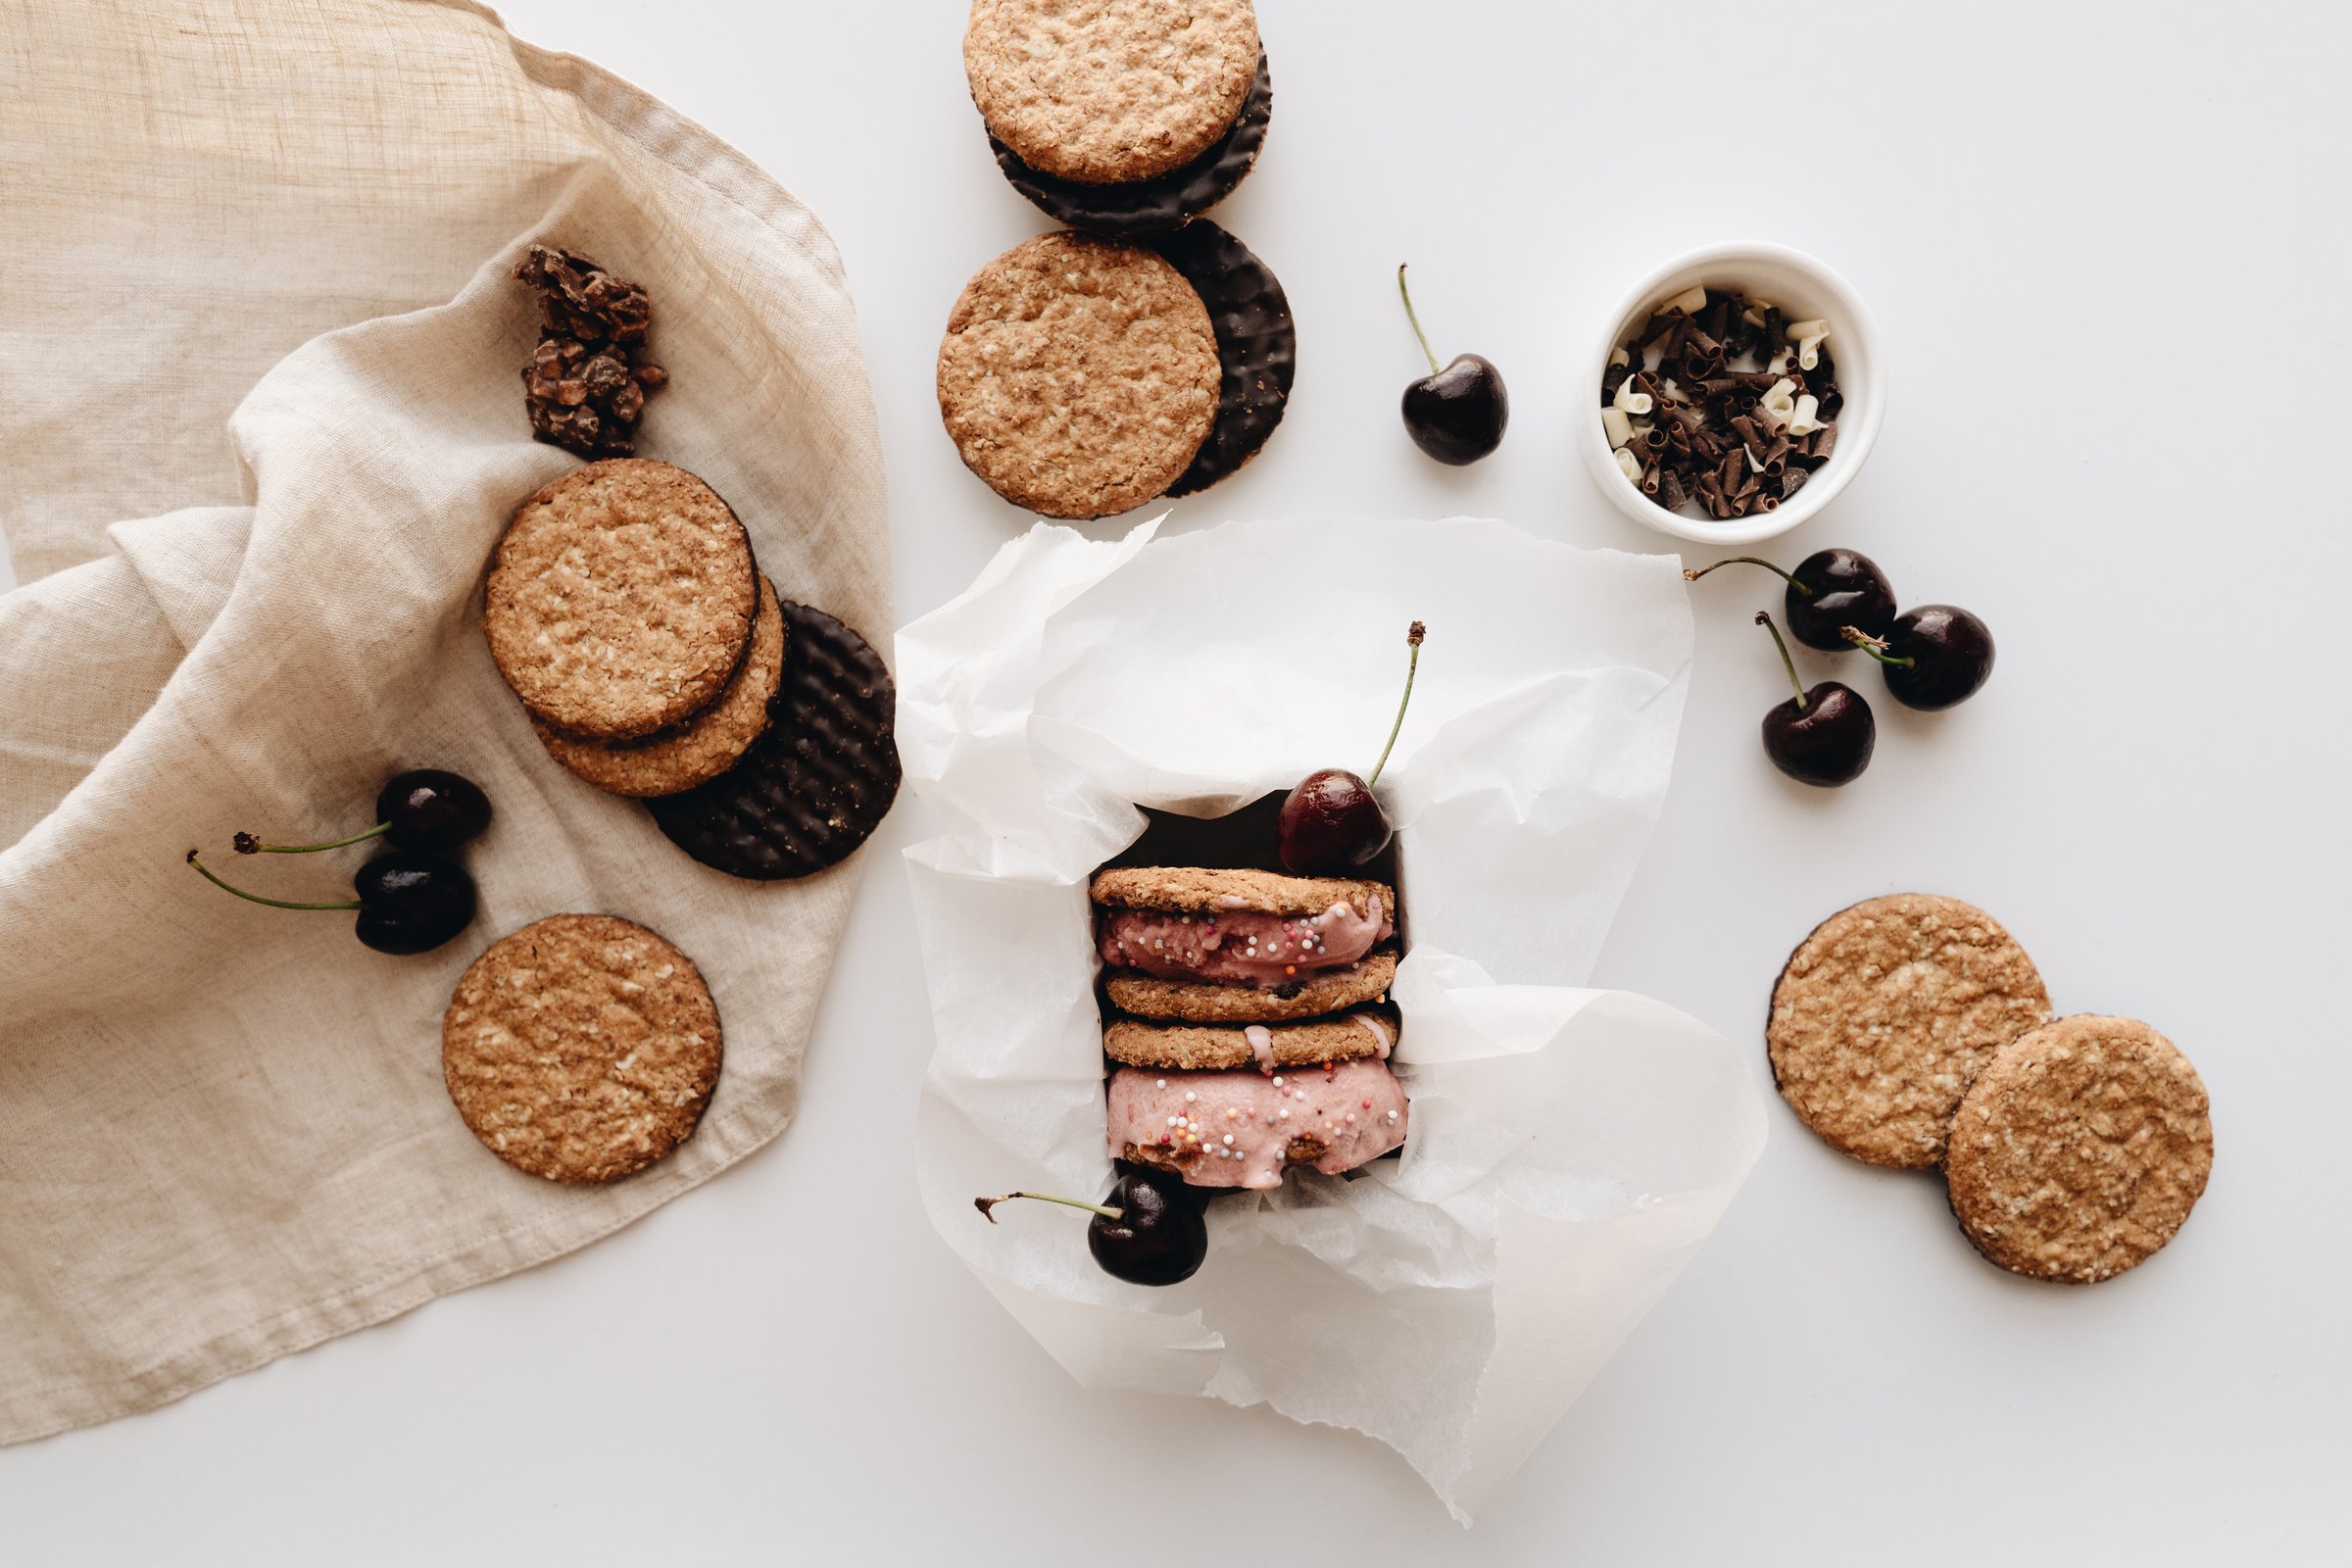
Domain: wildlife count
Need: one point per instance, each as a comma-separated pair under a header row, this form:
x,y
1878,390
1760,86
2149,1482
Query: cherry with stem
x,y
1150,1232
1822,737
1828,591
1456,415
409,900
1933,658
422,808
1331,822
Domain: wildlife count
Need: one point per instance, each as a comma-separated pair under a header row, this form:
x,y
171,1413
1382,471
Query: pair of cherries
x,y
414,895
1933,658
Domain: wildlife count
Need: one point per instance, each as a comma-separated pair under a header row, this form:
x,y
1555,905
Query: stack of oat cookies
x,y
1249,1028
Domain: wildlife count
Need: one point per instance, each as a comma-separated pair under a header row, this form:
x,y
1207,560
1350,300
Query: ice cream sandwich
x,y
1241,947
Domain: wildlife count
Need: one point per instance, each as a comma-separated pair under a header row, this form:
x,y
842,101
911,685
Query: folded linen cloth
x,y
258,298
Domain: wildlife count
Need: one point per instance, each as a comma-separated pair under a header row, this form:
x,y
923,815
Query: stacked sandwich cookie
x,y
1144,352
1251,1030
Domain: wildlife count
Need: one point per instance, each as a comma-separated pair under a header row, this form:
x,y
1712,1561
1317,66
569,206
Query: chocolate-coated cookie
x,y
816,785
1164,201
1257,349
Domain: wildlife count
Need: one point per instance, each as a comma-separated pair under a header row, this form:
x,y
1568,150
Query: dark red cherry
x,y
1933,656
1152,1230
1828,591
424,808
430,809
1331,823
1456,415
1822,737
408,901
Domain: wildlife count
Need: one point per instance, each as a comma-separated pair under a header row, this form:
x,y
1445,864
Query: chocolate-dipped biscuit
x,y
1164,201
1258,350
816,785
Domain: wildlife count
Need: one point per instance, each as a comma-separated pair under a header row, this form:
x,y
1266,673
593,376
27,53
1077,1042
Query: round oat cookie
x,y
2079,1149
1202,1001
581,1047
705,744
1078,376
1884,1014
1195,1048
1103,91
620,598
1216,890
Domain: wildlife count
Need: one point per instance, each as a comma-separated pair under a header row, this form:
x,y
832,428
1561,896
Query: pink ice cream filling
x,y
1244,947
1240,1128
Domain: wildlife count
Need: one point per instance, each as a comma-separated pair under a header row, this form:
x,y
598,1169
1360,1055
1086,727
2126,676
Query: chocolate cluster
x,y
586,385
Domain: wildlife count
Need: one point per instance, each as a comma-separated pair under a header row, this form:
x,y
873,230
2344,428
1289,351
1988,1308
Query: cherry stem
x,y
1875,647
206,872
985,1204
1413,317
1764,619
247,843
1747,560
1412,639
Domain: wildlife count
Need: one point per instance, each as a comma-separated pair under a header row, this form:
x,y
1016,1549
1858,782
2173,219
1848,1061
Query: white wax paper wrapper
x,y
1569,1148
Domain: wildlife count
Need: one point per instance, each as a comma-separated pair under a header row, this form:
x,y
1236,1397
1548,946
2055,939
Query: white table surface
x,y
2106,247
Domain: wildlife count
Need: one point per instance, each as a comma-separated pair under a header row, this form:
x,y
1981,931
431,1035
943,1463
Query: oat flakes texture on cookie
x,y
706,745
620,598
1101,91
1078,376
581,1047
1197,1047
1885,1013
1207,890
1210,1003
2079,1149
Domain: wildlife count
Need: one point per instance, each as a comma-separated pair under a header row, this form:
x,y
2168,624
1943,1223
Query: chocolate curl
x,y
1768,503
1824,441
1644,381
1678,435
1696,342
1748,488
1656,438
1672,493
1792,481
1775,458
1831,402
1749,433
1727,477
1649,480
1611,377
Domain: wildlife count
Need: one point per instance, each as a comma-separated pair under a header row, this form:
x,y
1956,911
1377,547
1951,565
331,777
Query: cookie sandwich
x,y
1124,117
1082,376
1241,947
1251,1032
1237,1107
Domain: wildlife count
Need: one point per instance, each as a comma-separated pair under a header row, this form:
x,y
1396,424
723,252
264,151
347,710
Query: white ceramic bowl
x,y
1803,288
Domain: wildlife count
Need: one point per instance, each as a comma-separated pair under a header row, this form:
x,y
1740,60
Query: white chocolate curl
x,y
1778,401
1801,420
1620,429
1631,400
1629,465
1690,301
1807,336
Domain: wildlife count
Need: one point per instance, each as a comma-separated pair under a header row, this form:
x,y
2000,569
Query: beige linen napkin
x,y
254,259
